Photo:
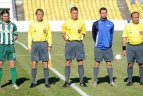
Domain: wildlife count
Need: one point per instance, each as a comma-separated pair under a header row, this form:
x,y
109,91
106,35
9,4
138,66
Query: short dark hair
x,y
41,10
73,8
102,8
135,12
4,12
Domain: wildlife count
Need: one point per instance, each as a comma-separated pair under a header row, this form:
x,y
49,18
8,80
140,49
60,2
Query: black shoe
x,y
47,85
83,84
129,84
66,84
141,83
32,85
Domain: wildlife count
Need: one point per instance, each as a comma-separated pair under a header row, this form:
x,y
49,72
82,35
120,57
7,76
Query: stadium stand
x,y
9,5
59,9
137,6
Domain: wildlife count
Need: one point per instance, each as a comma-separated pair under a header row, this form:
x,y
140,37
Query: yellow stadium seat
x,y
135,7
59,9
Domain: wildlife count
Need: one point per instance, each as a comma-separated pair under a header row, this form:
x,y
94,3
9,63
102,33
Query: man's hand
x,y
49,49
29,50
15,38
64,36
124,52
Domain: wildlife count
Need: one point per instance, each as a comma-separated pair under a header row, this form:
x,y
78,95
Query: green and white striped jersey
x,y
7,33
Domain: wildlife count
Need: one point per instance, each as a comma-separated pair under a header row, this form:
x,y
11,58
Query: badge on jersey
x,y
141,32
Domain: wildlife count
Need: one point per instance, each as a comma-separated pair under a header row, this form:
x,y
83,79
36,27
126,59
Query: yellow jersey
x,y
74,29
134,33
39,32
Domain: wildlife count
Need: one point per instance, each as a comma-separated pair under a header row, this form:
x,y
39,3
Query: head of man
x,y
39,14
74,13
135,17
103,13
5,16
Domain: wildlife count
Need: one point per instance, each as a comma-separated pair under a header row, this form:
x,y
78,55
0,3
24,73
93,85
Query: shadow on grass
x,y
19,81
105,79
134,79
52,80
77,80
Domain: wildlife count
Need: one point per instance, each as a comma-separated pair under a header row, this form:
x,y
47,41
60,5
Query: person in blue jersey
x,y
102,32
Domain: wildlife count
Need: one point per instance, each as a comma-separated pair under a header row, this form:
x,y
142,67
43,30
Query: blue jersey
x,y
102,32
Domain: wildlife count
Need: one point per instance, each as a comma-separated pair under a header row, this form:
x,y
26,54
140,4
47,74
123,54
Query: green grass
x,y
104,89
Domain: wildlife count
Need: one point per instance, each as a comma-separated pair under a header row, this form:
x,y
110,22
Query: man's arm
x,y
15,37
15,32
64,35
94,30
124,42
64,29
49,38
112,32
83,30
30,37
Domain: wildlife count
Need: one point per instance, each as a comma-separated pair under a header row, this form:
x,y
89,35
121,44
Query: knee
x,y
130,65
109,64
68,62
97,64
0,65
80,62
12,65
141,65
34,65
45,65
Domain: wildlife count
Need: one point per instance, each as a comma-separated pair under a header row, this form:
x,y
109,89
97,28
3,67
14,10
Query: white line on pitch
x,y
77,89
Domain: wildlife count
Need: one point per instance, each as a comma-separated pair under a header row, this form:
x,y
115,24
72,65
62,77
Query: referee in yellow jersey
x,y
39,44
133,39
73,32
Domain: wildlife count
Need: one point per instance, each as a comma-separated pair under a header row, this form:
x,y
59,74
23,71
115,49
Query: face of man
x,y
5,17
40,15
74,14
135,18
103,14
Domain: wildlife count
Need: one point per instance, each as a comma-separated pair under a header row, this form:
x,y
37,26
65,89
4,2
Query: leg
x,y
2,58
81,73
1,63
13,71
132,54
141,73
81,70
34,71
110,70
46,73
129,72
96,70
110,73
67,72
98,56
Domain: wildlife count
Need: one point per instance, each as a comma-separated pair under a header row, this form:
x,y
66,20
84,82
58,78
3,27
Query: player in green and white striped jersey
x,y
8,35
7,32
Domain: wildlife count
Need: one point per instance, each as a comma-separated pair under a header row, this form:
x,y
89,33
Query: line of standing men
x,y
73,32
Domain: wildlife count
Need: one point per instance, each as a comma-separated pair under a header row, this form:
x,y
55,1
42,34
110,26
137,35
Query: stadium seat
x,y
59,9
137,6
